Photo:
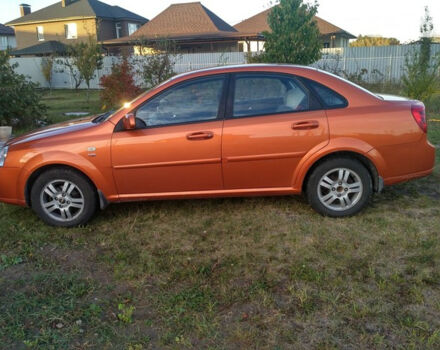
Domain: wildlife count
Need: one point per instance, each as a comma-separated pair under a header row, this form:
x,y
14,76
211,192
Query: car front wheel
x,y
339,187
63,197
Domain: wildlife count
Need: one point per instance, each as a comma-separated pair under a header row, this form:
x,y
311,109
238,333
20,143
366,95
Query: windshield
x,y
108,115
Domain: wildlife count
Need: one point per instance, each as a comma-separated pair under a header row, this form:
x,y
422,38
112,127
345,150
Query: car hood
x,y
54,130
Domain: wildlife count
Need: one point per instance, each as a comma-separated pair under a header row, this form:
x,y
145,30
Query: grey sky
x,y
394,18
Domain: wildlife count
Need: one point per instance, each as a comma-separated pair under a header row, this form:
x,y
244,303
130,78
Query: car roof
x,y
243,68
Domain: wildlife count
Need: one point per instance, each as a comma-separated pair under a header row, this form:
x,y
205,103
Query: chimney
x,y
65,3
25,9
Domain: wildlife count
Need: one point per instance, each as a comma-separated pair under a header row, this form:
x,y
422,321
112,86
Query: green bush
x,y
294,36
422,80
20,99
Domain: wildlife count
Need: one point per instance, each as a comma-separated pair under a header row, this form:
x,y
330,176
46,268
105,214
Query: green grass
x,y
59,102
245,273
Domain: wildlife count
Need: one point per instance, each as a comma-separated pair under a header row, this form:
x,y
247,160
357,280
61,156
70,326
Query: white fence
x,y
379,64
62,79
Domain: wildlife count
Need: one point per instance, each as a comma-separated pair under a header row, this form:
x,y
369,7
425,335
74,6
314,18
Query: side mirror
x,y
129,121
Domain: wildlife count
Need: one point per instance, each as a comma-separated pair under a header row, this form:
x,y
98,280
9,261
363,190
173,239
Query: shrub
x,y
118,86
20,99
294,36
82,61
47,69
156,61
421,80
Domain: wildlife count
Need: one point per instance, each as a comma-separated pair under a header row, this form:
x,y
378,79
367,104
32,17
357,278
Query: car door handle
x,y
201,135
306,125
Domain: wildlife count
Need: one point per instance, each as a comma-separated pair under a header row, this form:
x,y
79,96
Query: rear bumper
x,y
419,162
8,186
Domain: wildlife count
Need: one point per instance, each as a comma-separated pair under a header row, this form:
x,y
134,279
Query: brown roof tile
x,y
186,19
258,24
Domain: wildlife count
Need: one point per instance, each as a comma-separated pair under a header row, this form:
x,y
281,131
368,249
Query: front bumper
x,y
8,186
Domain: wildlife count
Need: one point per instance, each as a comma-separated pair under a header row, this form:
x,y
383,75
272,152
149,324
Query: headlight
x,y
3,154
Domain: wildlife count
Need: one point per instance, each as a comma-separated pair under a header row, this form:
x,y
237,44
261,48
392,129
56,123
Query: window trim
x,y
221,109
231,95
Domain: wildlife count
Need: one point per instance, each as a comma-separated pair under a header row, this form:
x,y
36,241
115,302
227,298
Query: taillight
x,y
418,112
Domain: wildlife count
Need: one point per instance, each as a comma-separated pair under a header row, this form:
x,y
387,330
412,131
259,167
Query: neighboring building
x,y
192,26
45,48
7,38
331,35
70,21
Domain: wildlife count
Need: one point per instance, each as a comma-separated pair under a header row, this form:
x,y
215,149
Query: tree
x,y
421,79
119,86
47,69
366,40
20,99
82,61
294,36
156,61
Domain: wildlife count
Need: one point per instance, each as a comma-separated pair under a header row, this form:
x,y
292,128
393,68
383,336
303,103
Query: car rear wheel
x,y
339,187
63,197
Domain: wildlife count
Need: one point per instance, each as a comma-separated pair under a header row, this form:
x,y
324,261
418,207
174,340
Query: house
x,y
331,35
192,26
7,37
70,21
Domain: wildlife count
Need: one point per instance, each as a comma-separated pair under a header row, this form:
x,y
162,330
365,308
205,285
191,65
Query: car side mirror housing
x,y
129,121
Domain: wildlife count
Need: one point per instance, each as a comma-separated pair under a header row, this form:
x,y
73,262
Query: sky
x,y
390,18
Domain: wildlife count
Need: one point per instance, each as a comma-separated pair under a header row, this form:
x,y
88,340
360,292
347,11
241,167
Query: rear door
x,y
273,120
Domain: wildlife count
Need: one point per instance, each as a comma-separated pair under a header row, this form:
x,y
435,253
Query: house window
x,y
71,31
326,45
132,27
40,33
118,30
3,42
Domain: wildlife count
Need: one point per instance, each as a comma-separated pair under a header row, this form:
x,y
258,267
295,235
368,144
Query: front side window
x,y
132,27
71,31
191,102
40,33
257,94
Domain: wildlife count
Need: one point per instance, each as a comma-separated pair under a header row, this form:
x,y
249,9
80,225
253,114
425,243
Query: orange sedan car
x,y
230,131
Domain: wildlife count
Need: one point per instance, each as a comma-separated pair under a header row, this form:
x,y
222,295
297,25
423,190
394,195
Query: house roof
x,y
78,9
180,20
44,48
5,30
258,24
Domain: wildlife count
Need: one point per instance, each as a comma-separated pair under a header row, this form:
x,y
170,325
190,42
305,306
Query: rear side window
x,y
330,98
258,94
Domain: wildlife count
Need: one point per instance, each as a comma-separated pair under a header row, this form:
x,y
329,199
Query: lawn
x,y
253,273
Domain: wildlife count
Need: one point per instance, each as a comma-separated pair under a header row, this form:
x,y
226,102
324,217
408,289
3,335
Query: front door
x,y
273,121
177,147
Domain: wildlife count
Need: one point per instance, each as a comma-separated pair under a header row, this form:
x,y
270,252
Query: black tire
x,y
83,195
339,192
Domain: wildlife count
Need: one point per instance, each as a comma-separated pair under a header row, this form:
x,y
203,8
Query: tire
x,y
63,197
339,187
